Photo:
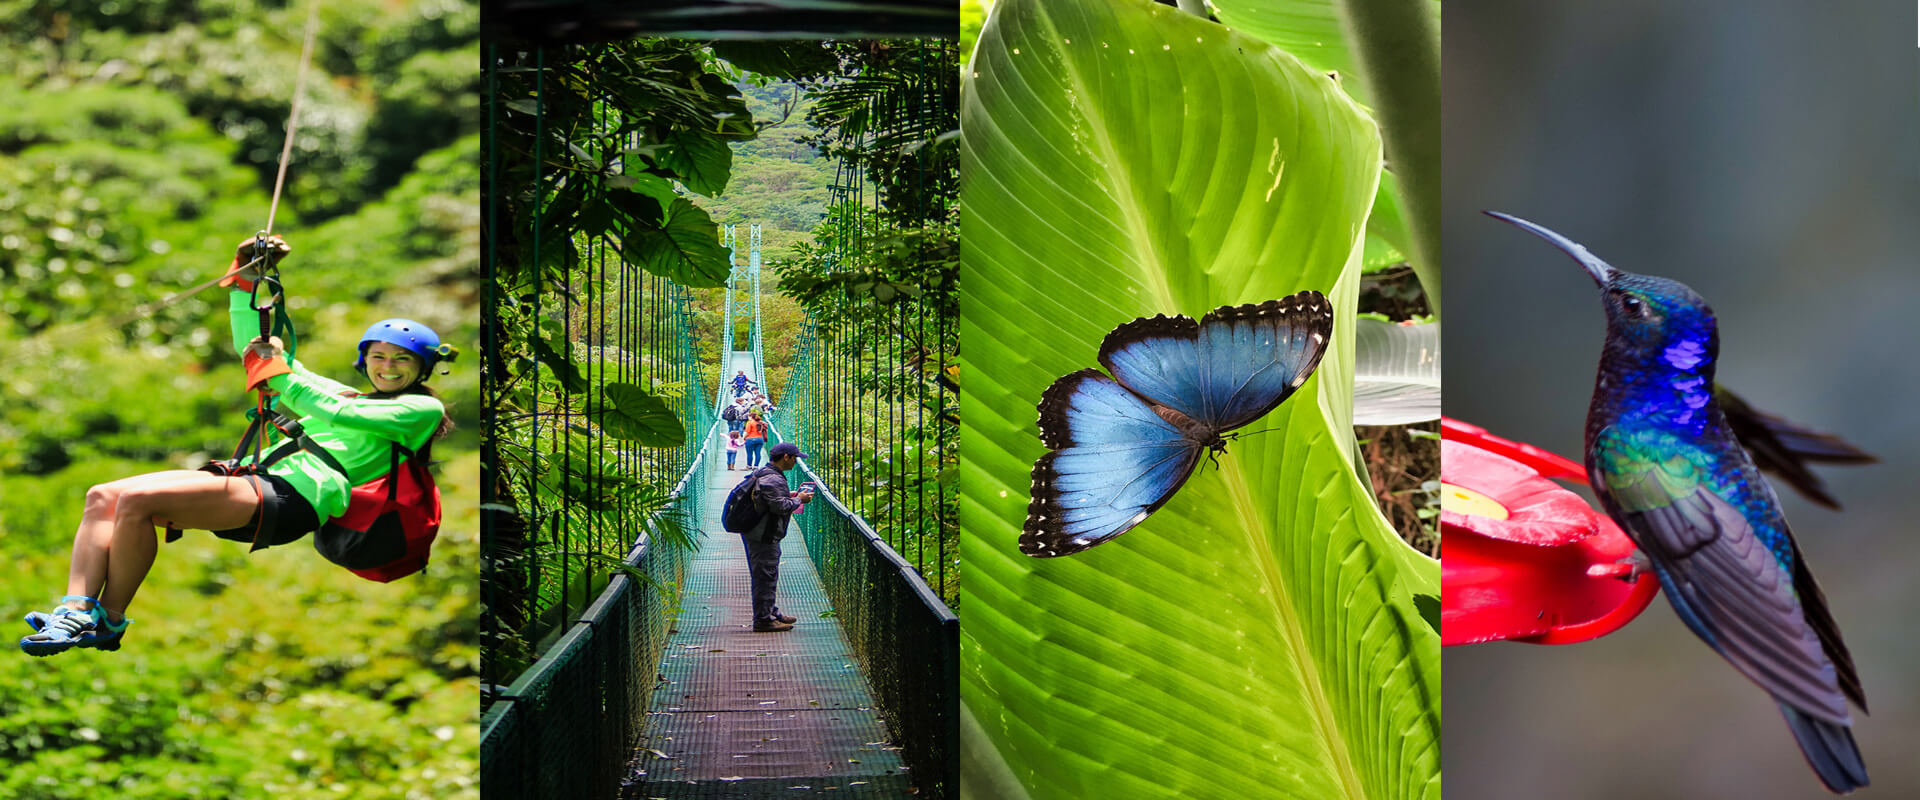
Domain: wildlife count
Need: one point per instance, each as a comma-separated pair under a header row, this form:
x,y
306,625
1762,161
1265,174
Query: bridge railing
x,y
753,266
906,638
566,725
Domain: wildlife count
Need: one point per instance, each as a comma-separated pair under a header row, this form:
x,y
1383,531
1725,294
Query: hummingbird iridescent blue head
x,y
1652,322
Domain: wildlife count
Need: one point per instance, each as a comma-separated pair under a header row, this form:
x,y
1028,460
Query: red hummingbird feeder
x,y
1526,560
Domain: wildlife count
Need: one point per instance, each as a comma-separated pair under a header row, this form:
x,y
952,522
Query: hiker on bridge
x,y
756,430
342,433
771,495
741,382
736,414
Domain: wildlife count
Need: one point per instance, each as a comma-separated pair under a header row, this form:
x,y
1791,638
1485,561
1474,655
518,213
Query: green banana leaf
x,y
1312,30
1257,636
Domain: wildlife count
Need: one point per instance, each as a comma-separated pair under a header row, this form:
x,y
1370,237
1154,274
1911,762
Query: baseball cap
x,y
785,449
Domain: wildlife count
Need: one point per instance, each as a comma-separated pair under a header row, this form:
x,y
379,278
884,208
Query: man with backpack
x,y
735,414
776,504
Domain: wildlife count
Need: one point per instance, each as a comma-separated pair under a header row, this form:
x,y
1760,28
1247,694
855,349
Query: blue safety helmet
x,y
408,334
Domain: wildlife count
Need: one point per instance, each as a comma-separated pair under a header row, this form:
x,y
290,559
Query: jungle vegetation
x,y
138,144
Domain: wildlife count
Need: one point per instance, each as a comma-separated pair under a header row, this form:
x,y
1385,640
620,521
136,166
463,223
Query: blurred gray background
x,y
1768,155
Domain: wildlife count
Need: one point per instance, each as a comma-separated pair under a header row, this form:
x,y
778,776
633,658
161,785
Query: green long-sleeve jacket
x,y
355,430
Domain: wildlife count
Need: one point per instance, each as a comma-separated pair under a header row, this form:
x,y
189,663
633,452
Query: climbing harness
x,y
250,462
390,523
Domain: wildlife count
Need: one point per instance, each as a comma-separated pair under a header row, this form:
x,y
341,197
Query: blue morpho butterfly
x,y
1123,445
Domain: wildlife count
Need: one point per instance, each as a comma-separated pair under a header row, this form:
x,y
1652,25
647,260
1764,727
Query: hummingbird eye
x,y
1632,304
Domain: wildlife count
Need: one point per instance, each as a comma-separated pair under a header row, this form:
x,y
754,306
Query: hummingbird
x,y
1668,468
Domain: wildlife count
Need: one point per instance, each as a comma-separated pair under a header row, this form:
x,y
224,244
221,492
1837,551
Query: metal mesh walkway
x,y
752,715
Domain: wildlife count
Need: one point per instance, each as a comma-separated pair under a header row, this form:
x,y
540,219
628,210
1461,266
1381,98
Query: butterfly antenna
x,y
1248,433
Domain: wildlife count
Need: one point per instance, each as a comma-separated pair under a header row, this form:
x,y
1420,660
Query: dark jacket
x,y
771,495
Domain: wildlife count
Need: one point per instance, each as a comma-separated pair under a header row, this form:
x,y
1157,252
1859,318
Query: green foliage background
x,y
137,144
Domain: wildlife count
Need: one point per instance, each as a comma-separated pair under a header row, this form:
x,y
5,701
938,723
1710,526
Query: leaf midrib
x,y
1287,621
1154,271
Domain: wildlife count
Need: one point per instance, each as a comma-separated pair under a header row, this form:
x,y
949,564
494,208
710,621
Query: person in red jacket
x,y
756,431
116,542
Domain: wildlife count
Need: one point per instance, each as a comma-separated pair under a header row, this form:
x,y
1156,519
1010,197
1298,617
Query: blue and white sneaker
x,y
65,628
62,632
107,636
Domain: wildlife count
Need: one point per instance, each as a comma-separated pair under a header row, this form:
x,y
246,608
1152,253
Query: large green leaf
x,y
1314,32
1309,29
685,248
1256,637
703,161
637,415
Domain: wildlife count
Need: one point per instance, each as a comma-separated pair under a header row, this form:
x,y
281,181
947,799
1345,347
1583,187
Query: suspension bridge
x,y
659,687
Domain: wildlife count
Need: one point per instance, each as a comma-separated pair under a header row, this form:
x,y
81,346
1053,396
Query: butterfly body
x,y
1194,431
1123,445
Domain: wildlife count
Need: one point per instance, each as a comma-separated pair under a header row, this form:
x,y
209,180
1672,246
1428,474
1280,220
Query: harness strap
x,y
295,440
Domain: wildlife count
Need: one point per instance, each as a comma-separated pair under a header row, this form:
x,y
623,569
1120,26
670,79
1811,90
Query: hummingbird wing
x,y
1786,448
1814,603
1722,580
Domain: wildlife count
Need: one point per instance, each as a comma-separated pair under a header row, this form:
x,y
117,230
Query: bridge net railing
x,y
566,726
585,531
906,638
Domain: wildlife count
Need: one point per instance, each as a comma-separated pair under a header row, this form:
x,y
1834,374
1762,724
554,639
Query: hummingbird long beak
x,y
1600,270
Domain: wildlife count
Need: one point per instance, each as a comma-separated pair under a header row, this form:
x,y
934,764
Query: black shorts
x,y
287,515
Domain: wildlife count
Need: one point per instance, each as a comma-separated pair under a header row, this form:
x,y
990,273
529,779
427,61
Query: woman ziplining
x,y
343,443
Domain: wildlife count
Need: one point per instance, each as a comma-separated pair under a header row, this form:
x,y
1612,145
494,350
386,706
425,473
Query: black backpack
x,y
730,413
741,513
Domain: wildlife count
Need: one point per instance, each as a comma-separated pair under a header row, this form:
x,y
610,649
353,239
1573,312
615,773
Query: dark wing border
x,y
1055,431
1158,326
1047,540
1308,312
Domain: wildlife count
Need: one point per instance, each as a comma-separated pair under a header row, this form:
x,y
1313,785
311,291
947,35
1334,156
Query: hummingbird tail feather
x,y
1830,750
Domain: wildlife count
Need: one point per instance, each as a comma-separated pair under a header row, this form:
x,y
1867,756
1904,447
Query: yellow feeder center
x,y
1462,500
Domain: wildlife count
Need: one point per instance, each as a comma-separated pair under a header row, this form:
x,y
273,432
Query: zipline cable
x,y
293,114
286,152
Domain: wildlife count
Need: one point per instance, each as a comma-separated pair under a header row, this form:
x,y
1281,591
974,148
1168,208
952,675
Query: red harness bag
x,y
390,522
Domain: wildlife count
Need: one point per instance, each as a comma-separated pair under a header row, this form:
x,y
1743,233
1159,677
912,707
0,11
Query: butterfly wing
x,y
1114,462
1230,368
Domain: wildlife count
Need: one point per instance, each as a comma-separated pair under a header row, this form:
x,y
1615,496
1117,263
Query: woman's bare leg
x,y
91,542
197,500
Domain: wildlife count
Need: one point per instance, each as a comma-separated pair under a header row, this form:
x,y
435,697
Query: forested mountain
x,y
778,181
